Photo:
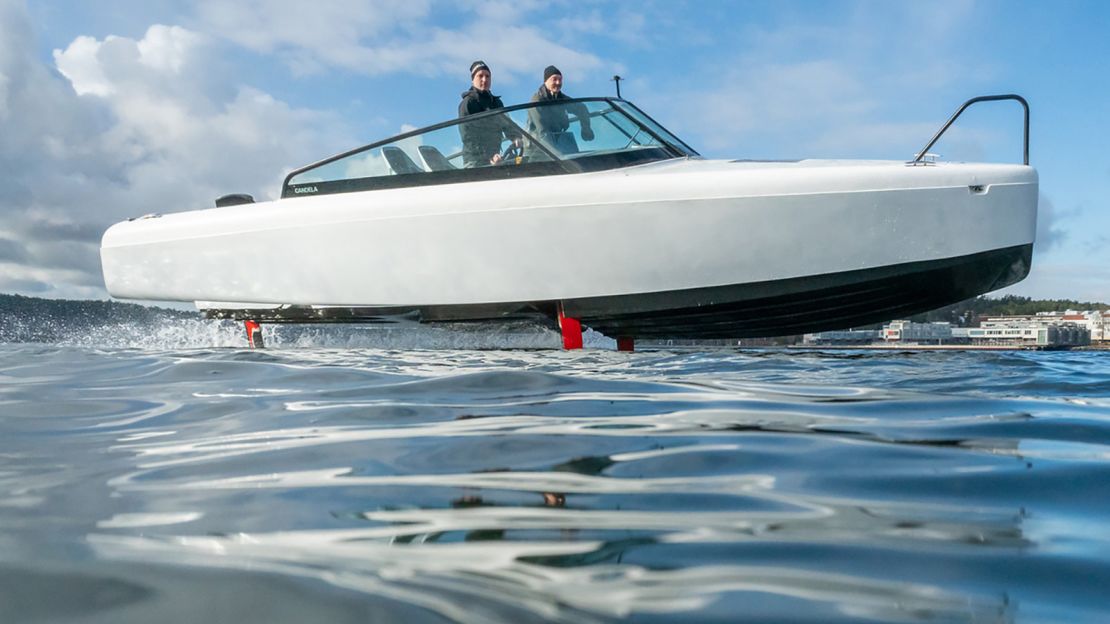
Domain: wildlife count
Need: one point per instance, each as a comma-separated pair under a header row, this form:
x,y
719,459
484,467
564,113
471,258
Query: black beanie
x,y
550,71
476,65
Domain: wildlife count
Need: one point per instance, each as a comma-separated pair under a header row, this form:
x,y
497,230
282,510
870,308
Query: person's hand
x,y
496,159
587,134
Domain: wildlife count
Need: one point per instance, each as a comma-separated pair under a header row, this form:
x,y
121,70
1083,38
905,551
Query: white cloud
x,y
401,37
79,64
167,48
12,251
1049,233
799,99
809,88
1050,279
331,31
516,52
127,127
4,80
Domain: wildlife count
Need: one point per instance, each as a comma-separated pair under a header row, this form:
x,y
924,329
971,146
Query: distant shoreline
x,y
921,347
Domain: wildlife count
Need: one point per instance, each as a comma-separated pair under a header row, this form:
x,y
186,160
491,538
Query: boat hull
x,y
683,248
808,304
793,306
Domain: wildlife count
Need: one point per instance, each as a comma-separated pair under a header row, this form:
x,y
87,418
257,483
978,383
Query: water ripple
x,y
487,486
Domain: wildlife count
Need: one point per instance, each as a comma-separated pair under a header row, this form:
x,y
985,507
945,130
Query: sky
x,y
118,108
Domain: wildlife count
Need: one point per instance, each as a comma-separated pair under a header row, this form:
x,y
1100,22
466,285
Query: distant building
x,y
842,337
1094,321
1028,333
919,333
1045,330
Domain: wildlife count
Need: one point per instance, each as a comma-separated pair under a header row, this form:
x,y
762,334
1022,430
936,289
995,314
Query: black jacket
x,y
475,101
482,138
553,119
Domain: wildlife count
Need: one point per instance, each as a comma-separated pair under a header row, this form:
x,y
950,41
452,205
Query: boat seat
x,y
434,159
399,161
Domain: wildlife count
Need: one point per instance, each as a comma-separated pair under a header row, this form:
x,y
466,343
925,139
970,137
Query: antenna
x,y
617,79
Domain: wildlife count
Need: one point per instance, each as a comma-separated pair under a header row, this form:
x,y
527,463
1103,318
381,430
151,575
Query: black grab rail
x,y
981,98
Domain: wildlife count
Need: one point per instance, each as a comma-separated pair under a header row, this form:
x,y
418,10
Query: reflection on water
x,y
515,486
572,580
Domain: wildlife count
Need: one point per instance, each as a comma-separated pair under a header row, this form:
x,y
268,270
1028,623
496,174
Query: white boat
x,y
632,233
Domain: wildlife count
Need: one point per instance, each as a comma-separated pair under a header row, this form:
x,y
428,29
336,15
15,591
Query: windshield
x,y
543,138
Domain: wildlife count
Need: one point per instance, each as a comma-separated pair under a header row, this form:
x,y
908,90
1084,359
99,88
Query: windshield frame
x,y
671,146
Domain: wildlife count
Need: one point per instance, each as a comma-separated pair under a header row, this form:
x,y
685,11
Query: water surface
x,y
360,477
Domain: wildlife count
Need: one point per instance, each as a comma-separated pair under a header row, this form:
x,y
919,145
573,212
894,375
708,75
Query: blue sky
x,y
116,108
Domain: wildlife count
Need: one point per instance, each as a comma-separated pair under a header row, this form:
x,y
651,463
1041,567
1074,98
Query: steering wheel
x,y
514,150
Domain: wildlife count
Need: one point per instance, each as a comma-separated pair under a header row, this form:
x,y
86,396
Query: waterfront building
x,y
1094,321
1026,333
1097,322
920,333
842,337
1046,330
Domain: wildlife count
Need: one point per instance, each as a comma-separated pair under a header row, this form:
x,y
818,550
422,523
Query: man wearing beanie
x,y
481,139
552,122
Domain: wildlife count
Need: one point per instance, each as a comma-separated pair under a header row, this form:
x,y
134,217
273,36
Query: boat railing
x,y
919,158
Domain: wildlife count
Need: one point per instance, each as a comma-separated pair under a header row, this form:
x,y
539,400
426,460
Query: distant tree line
x,y
31,319
967,313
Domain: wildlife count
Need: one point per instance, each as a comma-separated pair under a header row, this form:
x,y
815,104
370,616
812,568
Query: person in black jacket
x,y
552,123
482,138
